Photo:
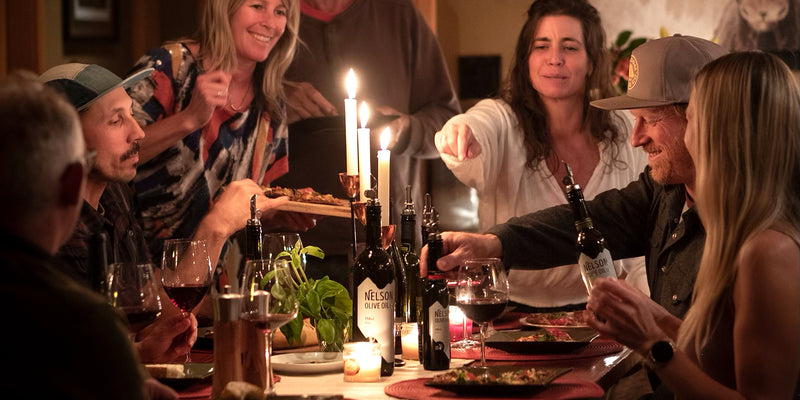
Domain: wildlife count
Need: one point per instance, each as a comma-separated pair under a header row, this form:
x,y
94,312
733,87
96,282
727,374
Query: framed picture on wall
x,y
89,20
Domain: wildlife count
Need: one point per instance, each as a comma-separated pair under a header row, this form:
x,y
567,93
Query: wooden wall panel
x,y
23,22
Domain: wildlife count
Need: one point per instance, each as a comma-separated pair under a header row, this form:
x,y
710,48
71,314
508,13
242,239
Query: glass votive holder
x,y
457,325
362,361
409,338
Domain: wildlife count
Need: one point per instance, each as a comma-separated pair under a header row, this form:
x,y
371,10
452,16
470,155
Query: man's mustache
x,y
131,152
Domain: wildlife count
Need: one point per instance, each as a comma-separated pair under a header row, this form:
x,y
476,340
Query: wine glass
x,y
133,290
482,293
186,273
269,302
274,243
456,314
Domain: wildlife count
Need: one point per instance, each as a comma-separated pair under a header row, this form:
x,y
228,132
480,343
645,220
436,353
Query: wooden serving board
x,y
342,211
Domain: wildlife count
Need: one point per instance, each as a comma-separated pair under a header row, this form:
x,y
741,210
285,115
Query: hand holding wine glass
x,y
482,293
186,273
269,302
133,291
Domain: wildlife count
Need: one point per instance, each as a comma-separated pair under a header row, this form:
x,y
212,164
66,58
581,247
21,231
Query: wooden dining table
x,y
592,370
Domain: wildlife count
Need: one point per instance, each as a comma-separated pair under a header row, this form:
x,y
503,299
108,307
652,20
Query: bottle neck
x,y
585,223
373,228
407,226
253,242
435,246
579,211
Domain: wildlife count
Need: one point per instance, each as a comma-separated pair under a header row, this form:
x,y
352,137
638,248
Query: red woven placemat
x,y
598,347
560,389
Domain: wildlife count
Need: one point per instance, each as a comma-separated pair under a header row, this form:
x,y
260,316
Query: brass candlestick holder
x,y
350,185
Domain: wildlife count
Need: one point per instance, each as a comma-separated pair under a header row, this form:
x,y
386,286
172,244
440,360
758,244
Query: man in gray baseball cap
x,y
653,217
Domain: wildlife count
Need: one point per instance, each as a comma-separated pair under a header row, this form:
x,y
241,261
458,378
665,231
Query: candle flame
x,y
386,135
350,83
363,112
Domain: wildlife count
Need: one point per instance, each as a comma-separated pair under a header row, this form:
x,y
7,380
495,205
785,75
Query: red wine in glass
x,y
186,297
186,273
482,293
482,310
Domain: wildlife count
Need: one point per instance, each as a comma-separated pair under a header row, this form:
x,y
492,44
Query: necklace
x,y
243,103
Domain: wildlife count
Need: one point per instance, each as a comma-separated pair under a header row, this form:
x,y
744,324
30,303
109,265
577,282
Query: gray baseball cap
x,y
82,84
661,72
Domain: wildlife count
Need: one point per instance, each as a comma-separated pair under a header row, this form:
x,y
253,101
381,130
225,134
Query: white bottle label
x,y
376,315
439,321
599,267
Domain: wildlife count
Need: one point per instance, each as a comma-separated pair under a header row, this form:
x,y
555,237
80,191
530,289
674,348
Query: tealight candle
x,y
362,361
383,176
409,340
364,172
457,324
350,124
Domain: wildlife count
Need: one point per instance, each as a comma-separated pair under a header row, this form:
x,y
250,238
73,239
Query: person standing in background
x,y
400,71
511,149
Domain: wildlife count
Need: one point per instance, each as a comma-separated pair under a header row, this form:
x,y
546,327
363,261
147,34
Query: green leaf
x,y
636,43
622,38
293,330
268,277
312,300
327,288
326,329
313,251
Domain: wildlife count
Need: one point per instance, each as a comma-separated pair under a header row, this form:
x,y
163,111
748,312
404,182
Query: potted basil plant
x,y
325,302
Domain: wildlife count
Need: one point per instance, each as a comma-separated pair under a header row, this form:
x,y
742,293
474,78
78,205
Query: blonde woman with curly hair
x,y
214,112
739,339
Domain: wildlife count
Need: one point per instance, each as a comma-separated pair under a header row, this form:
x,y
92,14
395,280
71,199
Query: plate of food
x,y
307,363
561,319
180,376
498,380
309,201
542,341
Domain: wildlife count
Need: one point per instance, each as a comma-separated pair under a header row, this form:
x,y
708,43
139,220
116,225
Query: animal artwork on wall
x,y
769,25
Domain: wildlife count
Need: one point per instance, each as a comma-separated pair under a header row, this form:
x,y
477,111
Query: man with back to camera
x,y
654,216
63,341
108,127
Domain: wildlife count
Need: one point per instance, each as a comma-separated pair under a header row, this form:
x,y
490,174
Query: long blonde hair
x,y
218,50
748,173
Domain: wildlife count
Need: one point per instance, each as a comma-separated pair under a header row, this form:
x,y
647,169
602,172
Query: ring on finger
x,y
219,93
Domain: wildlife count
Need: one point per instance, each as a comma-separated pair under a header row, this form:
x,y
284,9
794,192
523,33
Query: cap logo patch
x,y
633,72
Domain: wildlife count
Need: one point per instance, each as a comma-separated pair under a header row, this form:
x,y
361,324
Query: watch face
x,y
661,352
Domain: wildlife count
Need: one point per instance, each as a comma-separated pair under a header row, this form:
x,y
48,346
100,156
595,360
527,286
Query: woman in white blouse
x,y
511,148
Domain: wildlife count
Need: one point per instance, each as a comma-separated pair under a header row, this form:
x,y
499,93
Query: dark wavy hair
x,y
525,101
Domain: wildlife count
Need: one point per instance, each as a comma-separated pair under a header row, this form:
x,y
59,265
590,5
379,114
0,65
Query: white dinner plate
x,y
307,363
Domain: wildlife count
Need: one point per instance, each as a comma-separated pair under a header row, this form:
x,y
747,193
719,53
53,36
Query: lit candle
x,y
409,340
383,176
350,124
456,324
364,172
362,361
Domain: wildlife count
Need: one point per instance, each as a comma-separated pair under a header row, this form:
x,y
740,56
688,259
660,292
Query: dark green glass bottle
x,y
374,290
434,321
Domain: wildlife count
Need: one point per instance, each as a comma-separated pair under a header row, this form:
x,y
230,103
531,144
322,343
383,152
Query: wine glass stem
x,y
483,344
270,384
188,355
465,336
